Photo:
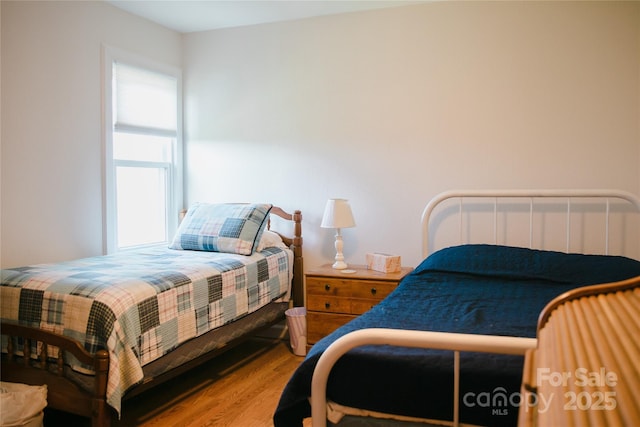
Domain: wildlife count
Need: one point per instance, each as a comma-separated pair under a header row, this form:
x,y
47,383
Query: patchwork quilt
x,y
139,305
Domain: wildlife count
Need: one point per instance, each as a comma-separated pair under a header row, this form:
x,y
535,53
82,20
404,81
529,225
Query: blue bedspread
x,y
478,289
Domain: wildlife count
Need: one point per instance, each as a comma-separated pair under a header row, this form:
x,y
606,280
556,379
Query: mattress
x,y
140,305
477,289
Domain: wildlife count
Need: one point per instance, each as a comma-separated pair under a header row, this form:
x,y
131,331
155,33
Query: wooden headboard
x,y
294,243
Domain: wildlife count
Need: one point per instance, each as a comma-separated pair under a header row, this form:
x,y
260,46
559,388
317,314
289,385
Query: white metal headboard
x,y
568,195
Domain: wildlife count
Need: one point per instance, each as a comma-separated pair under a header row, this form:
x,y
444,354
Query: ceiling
x,y
187,16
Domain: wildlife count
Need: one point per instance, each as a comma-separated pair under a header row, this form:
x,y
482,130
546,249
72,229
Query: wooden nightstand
x,y
334,298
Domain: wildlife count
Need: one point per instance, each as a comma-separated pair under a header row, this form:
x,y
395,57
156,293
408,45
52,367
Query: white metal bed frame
x,y
453,341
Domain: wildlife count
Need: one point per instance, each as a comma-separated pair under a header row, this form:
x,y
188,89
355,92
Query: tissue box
x,y
383,263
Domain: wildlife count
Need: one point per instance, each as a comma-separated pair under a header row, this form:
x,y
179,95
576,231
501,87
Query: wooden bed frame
x,y
67,395
465,342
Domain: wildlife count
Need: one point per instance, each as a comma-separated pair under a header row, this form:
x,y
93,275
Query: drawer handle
x,y
327,305
373,291
327,287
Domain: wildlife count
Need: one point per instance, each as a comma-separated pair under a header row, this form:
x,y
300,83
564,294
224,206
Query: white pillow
x,y
270,239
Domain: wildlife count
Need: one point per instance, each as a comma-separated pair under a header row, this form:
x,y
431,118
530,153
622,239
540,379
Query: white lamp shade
x,y
337,214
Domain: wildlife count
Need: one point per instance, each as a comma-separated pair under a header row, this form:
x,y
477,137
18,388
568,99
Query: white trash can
x,y
297,324
22,405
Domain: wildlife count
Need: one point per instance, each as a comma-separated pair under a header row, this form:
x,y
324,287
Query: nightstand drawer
x,y
371,289
359,306
328,286
328,303
320,325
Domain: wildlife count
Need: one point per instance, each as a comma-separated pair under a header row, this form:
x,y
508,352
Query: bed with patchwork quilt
x,y
139,307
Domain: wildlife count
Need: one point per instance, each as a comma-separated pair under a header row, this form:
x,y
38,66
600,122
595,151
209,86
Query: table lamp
x,y
337,214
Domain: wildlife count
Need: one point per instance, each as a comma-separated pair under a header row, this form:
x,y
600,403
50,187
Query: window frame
x,y
175,179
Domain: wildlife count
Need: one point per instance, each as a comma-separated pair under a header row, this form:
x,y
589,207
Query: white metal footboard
x,y
406,338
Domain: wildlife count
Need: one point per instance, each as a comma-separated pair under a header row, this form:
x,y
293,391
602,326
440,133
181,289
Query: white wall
x,y
389,107
386,108
51,177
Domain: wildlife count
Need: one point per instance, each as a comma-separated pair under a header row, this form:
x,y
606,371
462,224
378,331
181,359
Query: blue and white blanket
x,y
140,305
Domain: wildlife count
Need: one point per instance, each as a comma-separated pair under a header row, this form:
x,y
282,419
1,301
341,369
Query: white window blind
x,y
142,150
144,101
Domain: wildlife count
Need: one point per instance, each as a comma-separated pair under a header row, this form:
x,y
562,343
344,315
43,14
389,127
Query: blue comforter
x,y
478,289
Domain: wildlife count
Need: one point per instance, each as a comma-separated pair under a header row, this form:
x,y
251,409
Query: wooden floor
x,y
239,388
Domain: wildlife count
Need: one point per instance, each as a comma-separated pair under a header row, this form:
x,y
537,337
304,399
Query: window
x,y
143,152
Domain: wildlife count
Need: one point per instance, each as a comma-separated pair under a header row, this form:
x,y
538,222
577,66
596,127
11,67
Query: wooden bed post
x,y
100,410
295,244
298,285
